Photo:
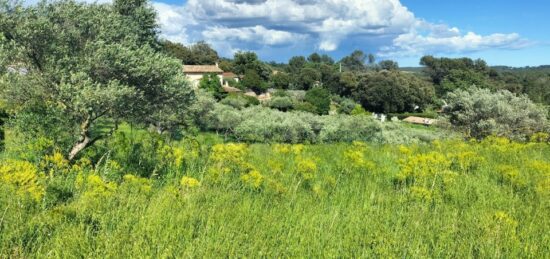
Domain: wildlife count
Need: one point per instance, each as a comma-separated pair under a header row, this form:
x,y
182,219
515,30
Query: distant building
x,y
196,72
231,76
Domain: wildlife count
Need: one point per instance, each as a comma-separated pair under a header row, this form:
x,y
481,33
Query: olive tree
x,y
88,67
480,113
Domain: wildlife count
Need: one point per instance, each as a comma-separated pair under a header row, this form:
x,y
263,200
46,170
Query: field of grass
x,y
196,199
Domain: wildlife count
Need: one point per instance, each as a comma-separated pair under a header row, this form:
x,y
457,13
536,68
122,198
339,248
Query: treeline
x,y
378,86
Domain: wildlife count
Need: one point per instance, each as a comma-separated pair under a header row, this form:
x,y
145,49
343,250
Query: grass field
x,y
193,199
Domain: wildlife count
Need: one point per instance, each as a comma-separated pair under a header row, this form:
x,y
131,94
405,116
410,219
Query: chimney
x,y
217,64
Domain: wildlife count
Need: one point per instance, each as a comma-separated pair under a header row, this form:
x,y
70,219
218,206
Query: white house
x,y
196,72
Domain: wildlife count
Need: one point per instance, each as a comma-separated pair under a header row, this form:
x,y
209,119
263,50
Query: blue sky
x,y
503,32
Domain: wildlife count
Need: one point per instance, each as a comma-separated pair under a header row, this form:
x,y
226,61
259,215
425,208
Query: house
x,y
230,76
195,73
419,120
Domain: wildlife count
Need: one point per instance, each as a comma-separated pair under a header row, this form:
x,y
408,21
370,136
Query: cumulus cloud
x,y
232,25
253,35
440,39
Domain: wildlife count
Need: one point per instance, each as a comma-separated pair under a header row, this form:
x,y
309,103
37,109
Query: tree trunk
x,y
79,146
84,140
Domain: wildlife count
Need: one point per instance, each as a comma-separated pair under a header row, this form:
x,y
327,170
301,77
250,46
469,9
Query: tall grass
x,y
444,199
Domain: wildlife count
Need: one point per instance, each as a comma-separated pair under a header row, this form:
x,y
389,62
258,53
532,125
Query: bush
x,y
320,98
239,101
281,103
481,113
211,83
349,128
305,107
346,106
254,82
265,125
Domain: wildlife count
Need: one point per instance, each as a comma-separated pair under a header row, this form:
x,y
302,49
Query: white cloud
x,y
443,40
232,25
256,34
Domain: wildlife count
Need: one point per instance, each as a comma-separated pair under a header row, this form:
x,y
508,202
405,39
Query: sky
x,y
503,32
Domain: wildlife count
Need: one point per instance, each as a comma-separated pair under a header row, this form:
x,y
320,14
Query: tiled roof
x,y
229,75
201,69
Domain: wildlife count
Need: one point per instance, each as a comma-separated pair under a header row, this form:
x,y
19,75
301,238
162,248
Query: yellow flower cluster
x,y
511,176
542,178
23,177
94,187
55,163
227,159
253,179
176,156
189,182
427,175
136,184
296,149
306,168
466,161
354,157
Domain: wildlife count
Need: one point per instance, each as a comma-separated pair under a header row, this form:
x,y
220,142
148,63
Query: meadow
x,y
201,197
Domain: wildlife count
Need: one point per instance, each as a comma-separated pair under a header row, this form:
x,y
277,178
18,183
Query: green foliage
x,y
280,80
481,113
89,64
320,98
295,64
200,53
314,58
347,85
281,103
307,79
390,92
254,82
346,106
388,65
243,62
354,62
211,83
239,101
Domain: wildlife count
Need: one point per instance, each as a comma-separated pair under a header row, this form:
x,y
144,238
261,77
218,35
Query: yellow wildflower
x,y
189,182
307,169
253,179
23,176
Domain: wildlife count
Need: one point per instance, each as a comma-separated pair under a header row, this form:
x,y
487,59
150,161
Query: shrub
x,y
481,113
239,101
211,83
281,103
346,106
349,128
320,98
254,82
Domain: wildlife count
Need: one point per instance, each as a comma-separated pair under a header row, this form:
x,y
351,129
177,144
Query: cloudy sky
x,y
504,32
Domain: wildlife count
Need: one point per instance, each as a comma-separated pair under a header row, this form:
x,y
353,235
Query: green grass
x,y
449,199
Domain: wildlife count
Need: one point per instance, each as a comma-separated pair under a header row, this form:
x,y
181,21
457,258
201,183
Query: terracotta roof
x,y
419,120
229,75
201,69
